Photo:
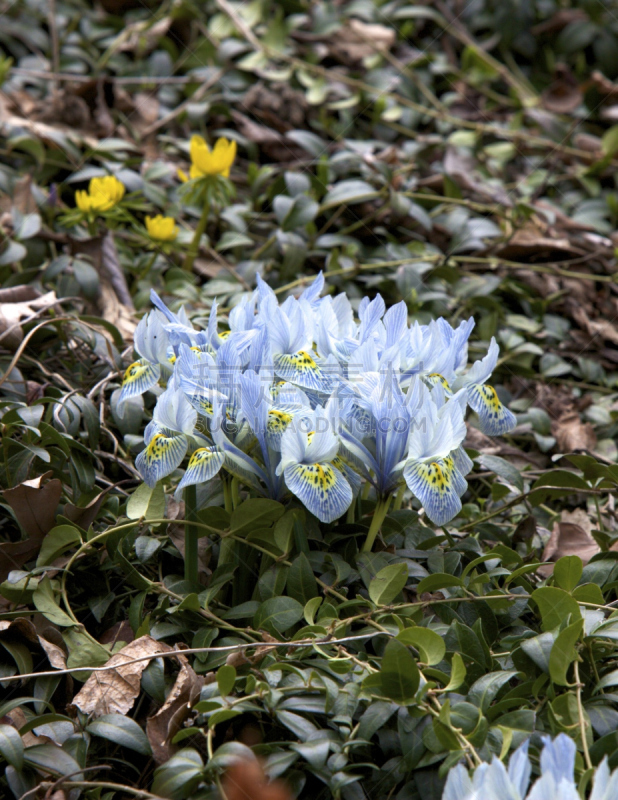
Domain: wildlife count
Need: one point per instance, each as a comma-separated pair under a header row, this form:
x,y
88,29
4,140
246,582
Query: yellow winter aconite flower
x,y
102,195
206,162
164,229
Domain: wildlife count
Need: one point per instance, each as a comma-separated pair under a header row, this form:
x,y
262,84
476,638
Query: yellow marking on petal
x,y
435,378
224,334
135,371
321,476
278,420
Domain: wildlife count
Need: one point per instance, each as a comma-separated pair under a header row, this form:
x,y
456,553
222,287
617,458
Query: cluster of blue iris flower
x,y
307,397
495,782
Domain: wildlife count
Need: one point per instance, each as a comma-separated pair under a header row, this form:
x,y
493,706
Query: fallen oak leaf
x,y
114,690
34,505
165,724
571,536
572,434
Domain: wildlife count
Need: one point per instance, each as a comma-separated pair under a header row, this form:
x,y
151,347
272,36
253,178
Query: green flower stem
x,y
379,514
399,497
194,247
235,492
191,535
227,495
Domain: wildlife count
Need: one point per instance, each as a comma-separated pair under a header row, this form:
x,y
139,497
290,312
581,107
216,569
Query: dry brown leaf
x,y
11,122
142,37
599,327
23,628
165,724
570,537
115,690
572,434
356,40
245,780
177,535
562,96
34,505
84,516
12,313
461,167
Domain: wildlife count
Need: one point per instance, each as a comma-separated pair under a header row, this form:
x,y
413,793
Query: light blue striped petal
x,y
495,418
161,457
352,477
435,379
238,463
302,369
203,466
277,421
138,378
430,483
453,475
462,460
321,488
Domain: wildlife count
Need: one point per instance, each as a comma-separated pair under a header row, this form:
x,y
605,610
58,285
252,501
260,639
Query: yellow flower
x,y
102,195
205,161
161,228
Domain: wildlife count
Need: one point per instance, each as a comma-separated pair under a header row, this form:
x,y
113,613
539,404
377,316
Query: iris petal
x,y
321,488
301,368
495,418
140,376
162,456
203,466
433,486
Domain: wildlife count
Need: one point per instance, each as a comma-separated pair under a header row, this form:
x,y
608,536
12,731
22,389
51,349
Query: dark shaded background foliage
x,y
459,156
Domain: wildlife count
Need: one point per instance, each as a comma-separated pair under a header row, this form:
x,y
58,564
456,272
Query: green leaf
x,y
609,142
52,759
563,653
147,502
231,239
226,678
458,673
12,747
278,614
178,777
121,730
504,469
439,580
301,585
430,645
84,651
45,601
589,593
348,192
310,609
222,716
388,583
567,572
561,478
611,679
59,539
555,605
483,691
399,674
253,514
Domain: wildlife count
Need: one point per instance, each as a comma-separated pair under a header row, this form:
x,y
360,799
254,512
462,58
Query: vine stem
x,y
194,247
191,535
379,514
580,714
